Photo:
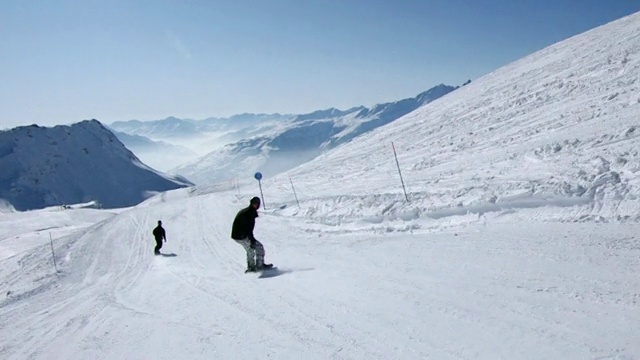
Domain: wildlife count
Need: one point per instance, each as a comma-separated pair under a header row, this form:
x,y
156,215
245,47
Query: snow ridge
x,y
74,164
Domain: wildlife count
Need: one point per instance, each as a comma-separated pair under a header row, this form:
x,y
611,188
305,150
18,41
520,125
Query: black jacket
x,y
159,233
244,223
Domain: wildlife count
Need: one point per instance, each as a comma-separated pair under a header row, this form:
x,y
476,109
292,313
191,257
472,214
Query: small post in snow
x,y
399,172
294,192
55,265
258,177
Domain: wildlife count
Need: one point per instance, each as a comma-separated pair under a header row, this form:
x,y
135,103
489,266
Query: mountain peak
x,y
73,164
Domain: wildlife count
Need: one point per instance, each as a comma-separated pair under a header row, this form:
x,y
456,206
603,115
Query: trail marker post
x,y
399,172
294,192
55,265
258,176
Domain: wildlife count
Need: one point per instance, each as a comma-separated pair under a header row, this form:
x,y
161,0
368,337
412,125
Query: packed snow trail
x,y
524,290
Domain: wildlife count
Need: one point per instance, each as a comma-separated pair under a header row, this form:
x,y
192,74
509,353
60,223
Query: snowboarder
x,y
242,233
159,234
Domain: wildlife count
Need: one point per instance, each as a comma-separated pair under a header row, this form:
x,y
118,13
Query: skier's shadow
x,y
278,272
169,255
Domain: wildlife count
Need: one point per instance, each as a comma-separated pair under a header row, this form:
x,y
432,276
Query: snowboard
x,y
258,271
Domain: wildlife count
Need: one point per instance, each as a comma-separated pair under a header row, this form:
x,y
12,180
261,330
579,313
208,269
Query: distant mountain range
x,y
302,138
168,143
272,143
159,154
74,164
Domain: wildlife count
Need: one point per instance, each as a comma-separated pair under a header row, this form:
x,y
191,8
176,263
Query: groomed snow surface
x,y
520,239
462,287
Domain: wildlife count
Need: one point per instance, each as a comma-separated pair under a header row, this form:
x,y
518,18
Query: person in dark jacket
x,y
159,234
242,233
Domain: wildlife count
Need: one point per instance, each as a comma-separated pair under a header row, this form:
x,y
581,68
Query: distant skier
x,y
159,234
242,233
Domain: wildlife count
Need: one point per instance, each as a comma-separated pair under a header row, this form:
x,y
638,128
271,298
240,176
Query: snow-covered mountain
x,y
200,136
560,127
169,143
173,128
72,164
298,140
170,127
519,239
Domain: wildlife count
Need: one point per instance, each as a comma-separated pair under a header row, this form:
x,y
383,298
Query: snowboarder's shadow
x,y
277,272
169,254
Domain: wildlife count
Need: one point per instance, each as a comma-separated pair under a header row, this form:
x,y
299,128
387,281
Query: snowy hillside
x,y
298,140
507,289
520,240
73,164
558,128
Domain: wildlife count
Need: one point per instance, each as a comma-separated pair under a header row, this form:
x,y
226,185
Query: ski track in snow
x,y
508,290
519,240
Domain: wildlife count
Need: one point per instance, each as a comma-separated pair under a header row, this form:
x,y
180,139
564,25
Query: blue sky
x,y
63,61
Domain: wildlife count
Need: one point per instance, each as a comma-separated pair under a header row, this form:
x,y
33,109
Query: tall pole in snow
x,y
294,192
53,254
399,172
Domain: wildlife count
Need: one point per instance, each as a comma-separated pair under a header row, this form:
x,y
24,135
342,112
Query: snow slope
x,y
525,290
560,127
499,255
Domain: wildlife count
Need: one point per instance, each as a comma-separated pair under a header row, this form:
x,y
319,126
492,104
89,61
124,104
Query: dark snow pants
x,y
158,246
